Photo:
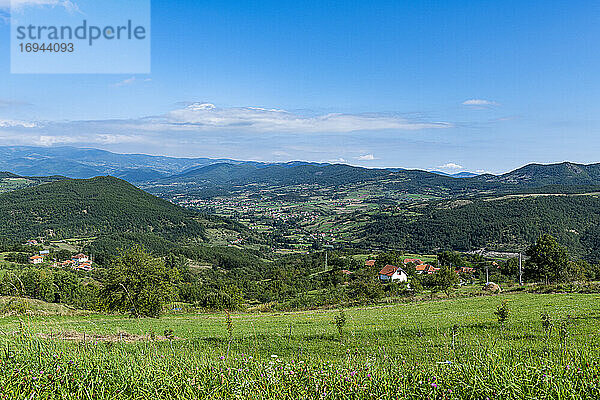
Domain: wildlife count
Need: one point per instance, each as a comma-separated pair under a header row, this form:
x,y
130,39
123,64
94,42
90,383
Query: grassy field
x,y
450,349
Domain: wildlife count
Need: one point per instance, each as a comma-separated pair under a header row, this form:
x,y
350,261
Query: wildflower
x,y
434,385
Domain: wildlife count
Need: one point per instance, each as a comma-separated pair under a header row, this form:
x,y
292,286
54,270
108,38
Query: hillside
x,y
538,175
502,223
91,207
250,177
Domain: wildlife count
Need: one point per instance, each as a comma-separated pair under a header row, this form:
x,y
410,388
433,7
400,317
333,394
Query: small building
x,y
426,269
81,258
413,261
86,266
36,259
44,252
31,242
370,263
393,274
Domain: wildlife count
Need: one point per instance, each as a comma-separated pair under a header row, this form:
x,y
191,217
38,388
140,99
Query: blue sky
x,y
452,85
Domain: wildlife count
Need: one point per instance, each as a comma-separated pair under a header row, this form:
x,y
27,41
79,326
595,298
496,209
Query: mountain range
x,y
151,172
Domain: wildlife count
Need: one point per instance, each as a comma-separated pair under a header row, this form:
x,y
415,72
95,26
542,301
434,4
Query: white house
x,y
393,273
36,259
81,258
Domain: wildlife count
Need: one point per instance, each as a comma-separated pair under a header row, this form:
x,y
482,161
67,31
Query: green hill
x,y
537,175
503,224
91,207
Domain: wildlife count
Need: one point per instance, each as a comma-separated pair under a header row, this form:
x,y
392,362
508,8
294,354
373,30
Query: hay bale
x,y
492,287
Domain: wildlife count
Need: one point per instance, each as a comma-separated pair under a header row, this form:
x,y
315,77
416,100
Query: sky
x,y
481,86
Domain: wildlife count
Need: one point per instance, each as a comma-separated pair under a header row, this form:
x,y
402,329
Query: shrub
x,y
502,312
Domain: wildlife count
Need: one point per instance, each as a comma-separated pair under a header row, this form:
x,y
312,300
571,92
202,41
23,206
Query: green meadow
x,y
445,349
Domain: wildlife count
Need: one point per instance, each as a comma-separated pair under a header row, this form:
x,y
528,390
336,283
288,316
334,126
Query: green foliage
x,y
548,260
451,258
443,280
340,321
502,312
138,283
546,322
97,206
503,223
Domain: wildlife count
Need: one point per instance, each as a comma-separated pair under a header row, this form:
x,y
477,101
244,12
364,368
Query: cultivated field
x,y
442,349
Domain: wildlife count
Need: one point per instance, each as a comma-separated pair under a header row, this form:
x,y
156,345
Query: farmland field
x,y
436,349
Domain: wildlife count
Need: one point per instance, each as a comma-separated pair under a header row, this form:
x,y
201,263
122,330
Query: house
x,y
81,258
86,266
44,252
465,270
426,269
370,263
393,273
346,272
413,261
67,263
36,259
31,242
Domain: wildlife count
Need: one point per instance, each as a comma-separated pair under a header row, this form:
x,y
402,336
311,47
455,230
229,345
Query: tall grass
x,y
446,350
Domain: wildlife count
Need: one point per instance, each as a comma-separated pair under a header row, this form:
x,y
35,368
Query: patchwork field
x,y
443,349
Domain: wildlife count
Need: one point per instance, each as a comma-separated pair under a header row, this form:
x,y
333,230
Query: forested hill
x,y
226,176
538,175
504,223
91,207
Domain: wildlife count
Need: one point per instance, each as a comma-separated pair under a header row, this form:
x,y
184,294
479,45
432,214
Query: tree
x,y
451,258
445,279
548,259
138,283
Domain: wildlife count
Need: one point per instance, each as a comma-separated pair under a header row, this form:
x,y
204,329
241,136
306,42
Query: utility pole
x,y
325,260
520,269
487,273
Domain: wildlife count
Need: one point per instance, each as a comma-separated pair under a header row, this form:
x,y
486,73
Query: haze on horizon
x,y
458,86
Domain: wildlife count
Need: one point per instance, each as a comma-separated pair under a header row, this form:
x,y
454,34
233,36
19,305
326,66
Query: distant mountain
x,y
136,175
537,175
87,163
219,179
457,175
91,207
277,174
153,172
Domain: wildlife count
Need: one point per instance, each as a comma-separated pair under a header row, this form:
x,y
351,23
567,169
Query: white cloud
x,y
451,165
130,81
206,116
367,157
479,103
125,82
8,123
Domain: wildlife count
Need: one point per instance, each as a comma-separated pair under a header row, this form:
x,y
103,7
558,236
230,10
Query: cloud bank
x,y
206,116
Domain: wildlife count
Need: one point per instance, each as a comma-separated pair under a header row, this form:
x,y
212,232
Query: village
x,y
392,273
79,262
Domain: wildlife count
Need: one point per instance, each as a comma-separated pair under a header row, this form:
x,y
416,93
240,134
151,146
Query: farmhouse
x,y
413,261
393,273
426,269
81,258
36,259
